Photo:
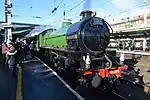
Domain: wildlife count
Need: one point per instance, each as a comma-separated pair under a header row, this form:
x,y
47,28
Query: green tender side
x,y
41,37
56,39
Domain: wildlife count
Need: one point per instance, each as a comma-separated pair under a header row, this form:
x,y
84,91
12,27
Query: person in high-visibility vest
x,y
144,44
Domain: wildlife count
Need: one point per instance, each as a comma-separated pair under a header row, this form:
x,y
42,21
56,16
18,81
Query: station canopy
x,y
16,29
38,30
60,31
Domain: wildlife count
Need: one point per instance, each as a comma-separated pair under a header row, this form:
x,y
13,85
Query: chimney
x,y
86,14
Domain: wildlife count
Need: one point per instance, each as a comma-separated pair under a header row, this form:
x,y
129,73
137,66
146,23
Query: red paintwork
x,y
104,73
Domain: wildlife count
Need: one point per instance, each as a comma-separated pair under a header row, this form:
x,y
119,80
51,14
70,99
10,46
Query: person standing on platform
x,y
129,45
144,44
19,51
32,49
12,62
124,45
118,44
4,51
141,45
25,49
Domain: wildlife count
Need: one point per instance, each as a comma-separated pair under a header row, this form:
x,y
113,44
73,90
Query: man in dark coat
x,y
18,47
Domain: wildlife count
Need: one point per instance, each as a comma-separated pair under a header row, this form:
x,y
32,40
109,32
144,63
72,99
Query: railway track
x,y
128,90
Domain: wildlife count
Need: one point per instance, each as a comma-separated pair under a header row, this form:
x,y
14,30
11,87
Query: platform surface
x,y
7,84
40,83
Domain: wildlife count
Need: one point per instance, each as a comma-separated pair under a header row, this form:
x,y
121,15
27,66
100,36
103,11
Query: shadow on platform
x,y
41,83
7,84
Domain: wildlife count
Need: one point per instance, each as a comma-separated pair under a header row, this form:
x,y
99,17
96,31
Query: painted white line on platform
x,y
120,96
133,52
29,61
73,91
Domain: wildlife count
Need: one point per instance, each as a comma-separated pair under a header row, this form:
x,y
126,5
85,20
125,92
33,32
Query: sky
x,y
109,9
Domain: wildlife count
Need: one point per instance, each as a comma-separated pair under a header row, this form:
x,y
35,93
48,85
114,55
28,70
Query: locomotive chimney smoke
x,y
87,5
86,9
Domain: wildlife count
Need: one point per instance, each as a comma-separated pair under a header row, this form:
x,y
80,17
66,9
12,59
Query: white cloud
x,y
100,14
115,1
127,6
124,4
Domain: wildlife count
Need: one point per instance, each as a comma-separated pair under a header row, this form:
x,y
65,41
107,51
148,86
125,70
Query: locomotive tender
x,y
81,47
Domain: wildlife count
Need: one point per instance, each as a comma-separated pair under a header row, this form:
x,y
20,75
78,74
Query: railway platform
x,y
35,81
40,82
7,84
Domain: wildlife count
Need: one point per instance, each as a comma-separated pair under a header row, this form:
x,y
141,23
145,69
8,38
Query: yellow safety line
x,y
19,85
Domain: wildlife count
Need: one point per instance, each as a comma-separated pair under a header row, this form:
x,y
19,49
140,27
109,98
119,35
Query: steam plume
x,y
87,5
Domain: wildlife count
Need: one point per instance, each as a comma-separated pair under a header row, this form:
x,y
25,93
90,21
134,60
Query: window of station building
x,y
126,26
122,25
133,23
136,22
140,21
114,26
117,26
148,21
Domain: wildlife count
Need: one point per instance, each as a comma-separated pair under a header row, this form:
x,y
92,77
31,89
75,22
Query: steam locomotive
x,y
81,48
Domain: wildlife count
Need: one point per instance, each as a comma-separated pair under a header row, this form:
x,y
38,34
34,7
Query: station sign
x,y
5,25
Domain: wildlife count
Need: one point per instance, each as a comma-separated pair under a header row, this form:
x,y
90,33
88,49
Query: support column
x,y
8,22
145,13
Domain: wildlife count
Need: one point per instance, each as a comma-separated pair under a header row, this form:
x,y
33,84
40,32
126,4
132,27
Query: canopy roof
x,y
38,30
60,31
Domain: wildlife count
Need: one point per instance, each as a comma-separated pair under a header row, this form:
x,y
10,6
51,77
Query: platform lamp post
x,y
145,13
8,24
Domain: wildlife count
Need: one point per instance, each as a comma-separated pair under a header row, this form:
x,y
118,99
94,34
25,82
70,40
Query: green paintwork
x,y
41,37
48,33
58,42
54,38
